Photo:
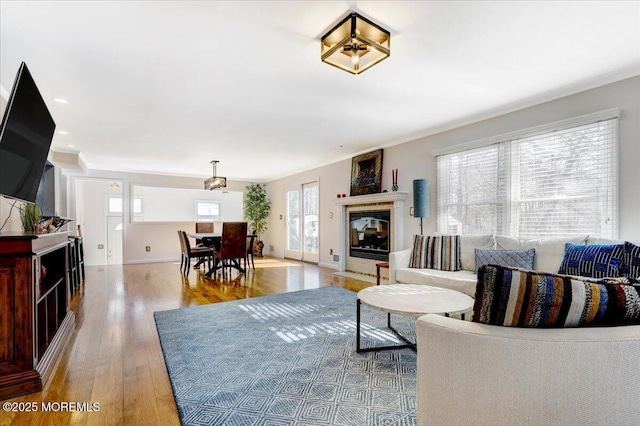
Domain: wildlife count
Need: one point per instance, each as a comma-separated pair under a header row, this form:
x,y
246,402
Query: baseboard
x,y
353,275
330,265
137,261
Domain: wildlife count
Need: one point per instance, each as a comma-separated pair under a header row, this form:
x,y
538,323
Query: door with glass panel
x,y
302,223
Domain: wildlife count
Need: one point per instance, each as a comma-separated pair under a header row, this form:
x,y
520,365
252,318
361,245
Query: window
x,y
115,205
559,180
207,211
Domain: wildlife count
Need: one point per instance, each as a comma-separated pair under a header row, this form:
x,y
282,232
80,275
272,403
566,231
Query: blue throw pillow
x,y
508,258
595,261
631,265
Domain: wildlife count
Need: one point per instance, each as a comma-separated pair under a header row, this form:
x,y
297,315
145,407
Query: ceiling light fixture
x,y
355,44
61,100
63,132
215,182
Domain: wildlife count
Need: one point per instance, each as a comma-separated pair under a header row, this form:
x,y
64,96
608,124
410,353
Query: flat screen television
x,y
25,138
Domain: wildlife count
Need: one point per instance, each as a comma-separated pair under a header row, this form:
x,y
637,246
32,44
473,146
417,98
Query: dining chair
x,y
189,253
202,227
250,242
233,247
183,251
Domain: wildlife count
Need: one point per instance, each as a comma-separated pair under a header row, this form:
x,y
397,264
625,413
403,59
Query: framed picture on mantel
x,y
366,173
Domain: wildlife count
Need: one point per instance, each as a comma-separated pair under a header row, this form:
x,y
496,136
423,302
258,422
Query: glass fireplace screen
x,y
370,235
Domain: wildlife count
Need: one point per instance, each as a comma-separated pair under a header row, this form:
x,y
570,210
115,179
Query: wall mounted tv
x,y
25,138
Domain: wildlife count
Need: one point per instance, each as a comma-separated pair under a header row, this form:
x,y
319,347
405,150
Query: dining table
x,y
209,237
214,240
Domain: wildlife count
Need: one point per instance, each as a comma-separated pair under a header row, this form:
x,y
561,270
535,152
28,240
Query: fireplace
x,y
370,234
361,248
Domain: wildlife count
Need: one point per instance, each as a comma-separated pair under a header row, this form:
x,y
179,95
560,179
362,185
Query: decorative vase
x,y
394,180
257,248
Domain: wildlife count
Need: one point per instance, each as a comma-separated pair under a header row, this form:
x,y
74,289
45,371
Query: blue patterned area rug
x,y
288,359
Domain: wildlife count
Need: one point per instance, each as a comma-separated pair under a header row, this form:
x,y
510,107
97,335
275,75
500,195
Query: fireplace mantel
x,y
383,197
395,200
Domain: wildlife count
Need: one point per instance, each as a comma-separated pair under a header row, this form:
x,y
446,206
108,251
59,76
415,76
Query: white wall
x,y
161,237
415,161
182,203
91,214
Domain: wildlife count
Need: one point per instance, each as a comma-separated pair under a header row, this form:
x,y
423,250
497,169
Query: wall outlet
x,y
330,252
148,248
336,258
100,246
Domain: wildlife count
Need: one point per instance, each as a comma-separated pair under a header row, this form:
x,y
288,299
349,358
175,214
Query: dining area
x,y
219,251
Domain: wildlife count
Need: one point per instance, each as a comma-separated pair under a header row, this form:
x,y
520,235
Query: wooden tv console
x,y
35,320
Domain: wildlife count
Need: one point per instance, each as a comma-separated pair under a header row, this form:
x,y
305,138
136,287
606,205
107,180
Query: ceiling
x,y
165,87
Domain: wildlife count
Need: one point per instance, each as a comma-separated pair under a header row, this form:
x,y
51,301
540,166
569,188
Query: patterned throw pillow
x,y
620,280
436,252
518,298
516,258
631,265
595,261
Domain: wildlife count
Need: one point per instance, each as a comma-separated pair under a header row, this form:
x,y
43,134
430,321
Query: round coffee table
x,y
409,299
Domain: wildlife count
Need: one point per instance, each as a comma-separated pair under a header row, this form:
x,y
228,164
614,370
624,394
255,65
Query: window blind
x,y
471,191
115,205
556,183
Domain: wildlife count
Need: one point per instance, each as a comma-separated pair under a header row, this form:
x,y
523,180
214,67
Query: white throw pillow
x,y
468,244
597,241
549,251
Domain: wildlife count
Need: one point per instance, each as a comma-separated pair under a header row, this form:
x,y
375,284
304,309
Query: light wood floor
x,y
114,357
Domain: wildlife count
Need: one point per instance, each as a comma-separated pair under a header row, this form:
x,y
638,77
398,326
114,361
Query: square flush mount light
x,y
355,44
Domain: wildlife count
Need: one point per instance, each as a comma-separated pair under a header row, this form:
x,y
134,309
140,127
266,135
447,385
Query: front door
x,y
114,240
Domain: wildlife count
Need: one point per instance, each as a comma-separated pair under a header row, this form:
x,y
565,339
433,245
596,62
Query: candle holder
x,y
394,179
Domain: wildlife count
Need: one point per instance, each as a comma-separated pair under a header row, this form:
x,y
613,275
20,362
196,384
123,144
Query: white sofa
x,y
478,374
548,257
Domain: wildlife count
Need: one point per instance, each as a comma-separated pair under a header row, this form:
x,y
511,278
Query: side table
x,y
384,265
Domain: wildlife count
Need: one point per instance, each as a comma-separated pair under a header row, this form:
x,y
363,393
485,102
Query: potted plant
x,y
256,210
30,216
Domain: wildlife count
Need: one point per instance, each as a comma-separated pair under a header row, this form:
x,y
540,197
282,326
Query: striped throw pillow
x,y
436,252
518,298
